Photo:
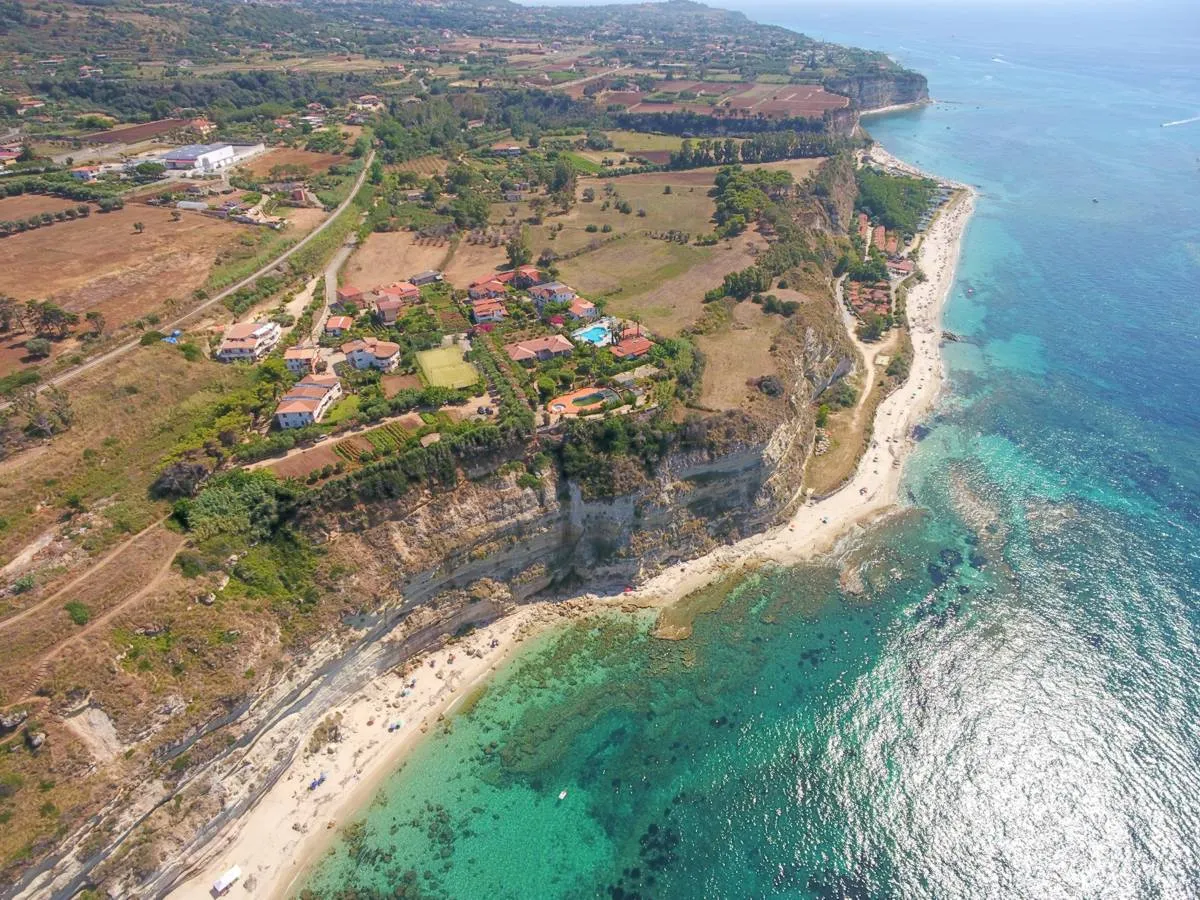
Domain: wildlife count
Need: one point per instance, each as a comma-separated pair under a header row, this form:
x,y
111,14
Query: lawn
x,y
632,141
445,367
346,408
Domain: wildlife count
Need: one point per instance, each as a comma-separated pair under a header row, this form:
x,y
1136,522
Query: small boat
x,y
562,795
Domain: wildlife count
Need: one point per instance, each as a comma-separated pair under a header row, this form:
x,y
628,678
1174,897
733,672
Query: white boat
x,y
562,795
225,882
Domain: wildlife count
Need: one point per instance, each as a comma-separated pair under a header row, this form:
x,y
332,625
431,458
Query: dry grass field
x,y
100,263
302,161
128,415
662,282
736,353
26,205
470,261
390,256
424,165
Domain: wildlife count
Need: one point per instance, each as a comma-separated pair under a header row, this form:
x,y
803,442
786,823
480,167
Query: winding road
x,y
122,349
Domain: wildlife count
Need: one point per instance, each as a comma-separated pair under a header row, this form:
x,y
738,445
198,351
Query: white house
x,y
248,341
366,353
308,401
301,360
205,157
554,292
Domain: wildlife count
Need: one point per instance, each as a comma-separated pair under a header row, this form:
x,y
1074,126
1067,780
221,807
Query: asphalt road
x,y
121,349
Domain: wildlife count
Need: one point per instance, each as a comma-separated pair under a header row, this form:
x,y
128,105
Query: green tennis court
x,y
445,367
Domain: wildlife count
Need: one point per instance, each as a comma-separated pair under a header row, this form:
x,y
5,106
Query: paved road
x,y
122,349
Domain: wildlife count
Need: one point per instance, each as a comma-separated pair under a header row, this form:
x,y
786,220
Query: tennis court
x,y
445,367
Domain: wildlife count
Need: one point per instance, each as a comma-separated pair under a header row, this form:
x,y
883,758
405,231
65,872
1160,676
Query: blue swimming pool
x,y
597,334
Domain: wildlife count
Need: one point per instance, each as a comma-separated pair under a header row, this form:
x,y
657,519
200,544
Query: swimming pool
x,y
597,334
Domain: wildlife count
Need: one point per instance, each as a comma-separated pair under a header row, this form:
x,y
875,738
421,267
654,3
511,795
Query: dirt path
x,y
121,349
42,665
75,582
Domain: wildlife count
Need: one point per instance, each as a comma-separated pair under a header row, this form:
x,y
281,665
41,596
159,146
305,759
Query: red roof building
x,y
631,347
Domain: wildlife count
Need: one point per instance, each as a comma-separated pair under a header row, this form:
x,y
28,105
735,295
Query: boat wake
x,y
1181,122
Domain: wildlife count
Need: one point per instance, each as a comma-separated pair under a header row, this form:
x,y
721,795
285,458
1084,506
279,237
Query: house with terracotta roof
x,y
349,294
248,341
879,237
901,268
400,290
389,309
308,401
336,326
301,360
502,277
541,348
488,311
527,276
486,291
631,346
506,149
372,353
582,309
554,292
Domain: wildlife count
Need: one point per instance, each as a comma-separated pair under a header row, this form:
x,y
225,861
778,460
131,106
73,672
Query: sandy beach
x,y
290,826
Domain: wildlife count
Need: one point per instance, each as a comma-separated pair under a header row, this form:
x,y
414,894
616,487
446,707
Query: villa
x,y
488,311
301,360
399,290
248,341
631,347
308,401
582,309
554,292
336,325
372,353
487,290
527,276
542,348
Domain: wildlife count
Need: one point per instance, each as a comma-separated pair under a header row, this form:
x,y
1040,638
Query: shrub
x,y
150,337
39,348
24,584
78,612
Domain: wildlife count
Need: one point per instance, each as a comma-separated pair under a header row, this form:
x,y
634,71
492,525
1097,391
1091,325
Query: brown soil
x,y
394,384
99,263
473,260
127,134
26,205
312,163
301,464
392,256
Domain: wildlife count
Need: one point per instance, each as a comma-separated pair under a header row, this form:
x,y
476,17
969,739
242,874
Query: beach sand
x,y
276,841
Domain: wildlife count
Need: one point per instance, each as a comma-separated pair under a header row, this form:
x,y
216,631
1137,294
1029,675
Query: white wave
x,y
1181,122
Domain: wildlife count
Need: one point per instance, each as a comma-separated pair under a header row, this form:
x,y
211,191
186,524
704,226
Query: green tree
x,y
38,348
519,252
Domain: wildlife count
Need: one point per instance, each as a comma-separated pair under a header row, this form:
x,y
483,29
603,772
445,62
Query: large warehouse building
x,y
205,157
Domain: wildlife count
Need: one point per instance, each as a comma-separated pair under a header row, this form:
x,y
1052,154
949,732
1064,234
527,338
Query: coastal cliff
x,y
726,475
876,91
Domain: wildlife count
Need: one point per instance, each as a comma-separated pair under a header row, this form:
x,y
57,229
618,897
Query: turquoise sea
x,y
1010,707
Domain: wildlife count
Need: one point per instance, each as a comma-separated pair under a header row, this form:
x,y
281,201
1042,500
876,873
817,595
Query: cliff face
x,y
884,89
742,478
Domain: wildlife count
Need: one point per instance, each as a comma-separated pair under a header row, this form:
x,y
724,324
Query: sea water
x,y
993,695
